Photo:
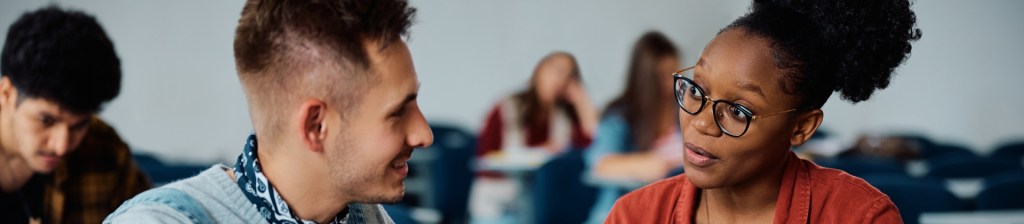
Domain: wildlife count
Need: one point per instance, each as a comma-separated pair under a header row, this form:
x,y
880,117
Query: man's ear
x,y
313,125
8,93
806,125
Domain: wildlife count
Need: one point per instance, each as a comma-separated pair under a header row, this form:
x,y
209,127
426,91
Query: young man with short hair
x,y
332,93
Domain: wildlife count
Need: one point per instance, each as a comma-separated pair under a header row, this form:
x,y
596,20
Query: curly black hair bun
x,y
846,46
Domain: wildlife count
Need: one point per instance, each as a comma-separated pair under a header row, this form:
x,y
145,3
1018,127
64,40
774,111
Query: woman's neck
x,y
750,202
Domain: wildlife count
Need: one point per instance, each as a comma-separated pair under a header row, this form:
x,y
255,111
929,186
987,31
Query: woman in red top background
x,y
551,115
756,91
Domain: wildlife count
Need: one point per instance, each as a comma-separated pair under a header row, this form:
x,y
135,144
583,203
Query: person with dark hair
x,y
552,115
757,91
59,162
331,90
636,140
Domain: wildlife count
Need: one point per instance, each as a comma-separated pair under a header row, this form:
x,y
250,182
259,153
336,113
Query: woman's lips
x,y
699,157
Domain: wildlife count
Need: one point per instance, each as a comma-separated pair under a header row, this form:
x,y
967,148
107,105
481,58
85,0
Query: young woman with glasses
x,y
755,92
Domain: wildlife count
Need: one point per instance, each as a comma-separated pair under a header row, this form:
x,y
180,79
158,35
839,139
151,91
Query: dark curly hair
x,y
63,56
825,46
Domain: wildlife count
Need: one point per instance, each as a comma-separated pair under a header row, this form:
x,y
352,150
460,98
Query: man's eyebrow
x,y
83,122
412,96
47,114
408,98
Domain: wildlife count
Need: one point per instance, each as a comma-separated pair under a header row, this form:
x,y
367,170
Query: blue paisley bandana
x,y
262,194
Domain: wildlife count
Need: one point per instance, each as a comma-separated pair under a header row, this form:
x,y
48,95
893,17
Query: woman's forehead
x,y
744,61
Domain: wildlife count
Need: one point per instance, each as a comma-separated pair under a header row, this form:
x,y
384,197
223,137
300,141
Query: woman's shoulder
x,y
672,185
666,191
656,201
847,195
839,181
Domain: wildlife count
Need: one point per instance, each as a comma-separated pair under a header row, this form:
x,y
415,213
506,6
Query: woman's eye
x,y
696,93
738,113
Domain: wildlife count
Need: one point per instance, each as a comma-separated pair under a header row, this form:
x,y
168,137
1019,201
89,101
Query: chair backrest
x,y
864,165
944,151
900,178
1002,191
560,196
161,173
968,168
452,174
1009,152
915,196
917,139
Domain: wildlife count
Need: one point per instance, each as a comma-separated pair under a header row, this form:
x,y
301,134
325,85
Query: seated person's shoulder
x,y
101,140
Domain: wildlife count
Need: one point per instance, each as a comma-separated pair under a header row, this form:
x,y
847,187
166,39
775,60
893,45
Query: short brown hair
x,y
281,45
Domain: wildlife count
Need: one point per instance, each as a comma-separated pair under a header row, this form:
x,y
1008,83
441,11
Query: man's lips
x,y
399,163
50,160
402,164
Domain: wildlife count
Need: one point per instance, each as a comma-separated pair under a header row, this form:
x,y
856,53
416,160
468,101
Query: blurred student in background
x,y
756,91
59,162
637,139
554,114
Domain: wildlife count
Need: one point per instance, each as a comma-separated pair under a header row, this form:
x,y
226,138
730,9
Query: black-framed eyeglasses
x,y
732,118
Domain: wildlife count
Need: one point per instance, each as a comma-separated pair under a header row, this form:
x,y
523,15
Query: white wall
x,y
181,100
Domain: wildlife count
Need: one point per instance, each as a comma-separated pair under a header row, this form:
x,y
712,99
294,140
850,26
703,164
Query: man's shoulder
x,y
216,191
163,205
101,139
211,180
209,196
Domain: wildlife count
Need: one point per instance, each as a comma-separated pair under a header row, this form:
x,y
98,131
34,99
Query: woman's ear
x,y
807,123
313,125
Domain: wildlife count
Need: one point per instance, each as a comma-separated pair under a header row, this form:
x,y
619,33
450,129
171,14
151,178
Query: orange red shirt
x,y
809,194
